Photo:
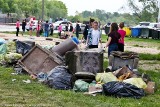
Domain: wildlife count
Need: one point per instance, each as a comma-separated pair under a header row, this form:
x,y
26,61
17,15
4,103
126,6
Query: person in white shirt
x,y
94,36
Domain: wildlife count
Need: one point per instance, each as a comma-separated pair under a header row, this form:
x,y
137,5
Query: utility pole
x,y
159,11
42,9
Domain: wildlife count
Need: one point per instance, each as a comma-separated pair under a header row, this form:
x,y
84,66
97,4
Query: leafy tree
x,y
7,6
26,8
147,12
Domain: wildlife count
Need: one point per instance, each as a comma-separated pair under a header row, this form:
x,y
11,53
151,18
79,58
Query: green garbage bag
x,y
11,46
105,77
3,49
81,86
137,82
2,60
12,57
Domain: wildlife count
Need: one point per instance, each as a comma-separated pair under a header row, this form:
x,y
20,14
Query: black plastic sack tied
x,y
60,78
121,89
22,47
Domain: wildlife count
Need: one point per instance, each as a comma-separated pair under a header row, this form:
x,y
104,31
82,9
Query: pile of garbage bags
x,y
123,82
12,50
120,83
8,53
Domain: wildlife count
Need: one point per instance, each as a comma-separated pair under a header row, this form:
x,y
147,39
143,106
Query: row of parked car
x,y
56,25
64,23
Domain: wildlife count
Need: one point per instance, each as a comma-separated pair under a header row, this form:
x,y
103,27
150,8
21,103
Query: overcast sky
x,y
91,5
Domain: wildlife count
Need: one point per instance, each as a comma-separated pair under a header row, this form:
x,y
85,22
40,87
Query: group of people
x,y
91,34
40,28
115,42
69,30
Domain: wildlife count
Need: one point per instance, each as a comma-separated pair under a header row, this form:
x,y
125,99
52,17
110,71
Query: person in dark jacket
x,y
85,32
113,38
71,30
46,29
66,30
52,29
77,29
23,26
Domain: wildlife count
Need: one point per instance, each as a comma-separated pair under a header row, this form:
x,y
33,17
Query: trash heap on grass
x,y
65,67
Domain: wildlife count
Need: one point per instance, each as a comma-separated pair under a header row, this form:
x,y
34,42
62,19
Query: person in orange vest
x,y
17,27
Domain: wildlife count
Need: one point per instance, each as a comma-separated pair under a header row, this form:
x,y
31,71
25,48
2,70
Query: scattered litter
x,y
14,80
33,76
42,77
27,81
14,73
151,87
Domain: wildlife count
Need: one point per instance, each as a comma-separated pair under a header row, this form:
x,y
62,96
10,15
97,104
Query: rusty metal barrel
x,y
67,45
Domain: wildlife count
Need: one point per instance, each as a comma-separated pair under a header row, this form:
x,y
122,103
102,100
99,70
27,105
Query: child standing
x,y
38,29
121,40
59,30
17,27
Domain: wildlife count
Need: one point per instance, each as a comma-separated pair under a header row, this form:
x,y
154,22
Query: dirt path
x,y
43,41
142,50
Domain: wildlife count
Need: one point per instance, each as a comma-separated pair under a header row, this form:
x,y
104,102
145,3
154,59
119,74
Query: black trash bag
x,y
60,78
121,89
22,47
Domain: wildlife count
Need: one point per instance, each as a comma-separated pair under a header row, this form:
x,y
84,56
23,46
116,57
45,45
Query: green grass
x,y
36,94
104,38
149,56
128,39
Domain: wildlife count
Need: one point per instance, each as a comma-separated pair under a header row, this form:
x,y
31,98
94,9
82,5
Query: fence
x,y
8,20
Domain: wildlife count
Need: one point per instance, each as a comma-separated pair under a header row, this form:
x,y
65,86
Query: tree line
x,y
146,11
26,8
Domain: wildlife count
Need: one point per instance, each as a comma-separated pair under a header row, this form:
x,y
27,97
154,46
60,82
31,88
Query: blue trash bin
x,y
135,32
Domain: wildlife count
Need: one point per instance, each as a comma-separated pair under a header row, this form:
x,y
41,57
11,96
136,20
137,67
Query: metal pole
x,y
159,11
42,9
